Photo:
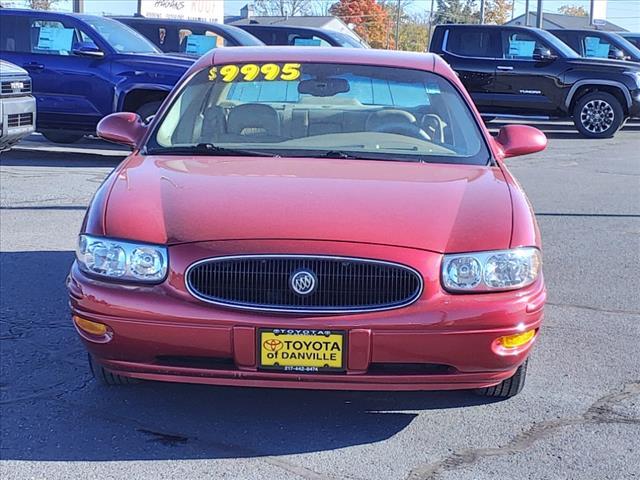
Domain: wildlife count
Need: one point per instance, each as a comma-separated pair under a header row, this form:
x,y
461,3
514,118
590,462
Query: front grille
x,y
15,87
342,284
19,120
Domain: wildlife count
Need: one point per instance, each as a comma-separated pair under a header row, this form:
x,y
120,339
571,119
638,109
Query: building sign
x,y
599,12
203,10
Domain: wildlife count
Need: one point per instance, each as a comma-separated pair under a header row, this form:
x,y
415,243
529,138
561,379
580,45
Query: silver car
x,y
17,106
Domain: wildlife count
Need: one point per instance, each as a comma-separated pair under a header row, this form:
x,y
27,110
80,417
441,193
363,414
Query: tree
x,y
498,11
414,33
41,4
573,10
283,8
372,22
456,11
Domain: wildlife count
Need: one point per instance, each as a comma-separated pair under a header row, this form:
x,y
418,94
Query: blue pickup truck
x,y
84,67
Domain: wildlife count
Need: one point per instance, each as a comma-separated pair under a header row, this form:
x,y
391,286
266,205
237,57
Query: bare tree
x,y
41,4
283,7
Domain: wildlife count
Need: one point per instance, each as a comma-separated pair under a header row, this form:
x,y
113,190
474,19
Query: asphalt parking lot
x,y
577,418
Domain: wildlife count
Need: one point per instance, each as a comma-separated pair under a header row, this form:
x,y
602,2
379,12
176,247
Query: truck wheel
x,y
57,136
507,388
105,377
148,110
598,115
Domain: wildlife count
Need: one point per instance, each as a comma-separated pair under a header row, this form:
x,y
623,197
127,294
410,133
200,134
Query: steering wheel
x,y
403,128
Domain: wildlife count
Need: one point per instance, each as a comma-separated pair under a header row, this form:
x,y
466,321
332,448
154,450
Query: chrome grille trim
x,y
298,310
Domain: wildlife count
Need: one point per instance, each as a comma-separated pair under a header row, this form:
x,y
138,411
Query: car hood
x,y
9,69
437,207
158,61
604,63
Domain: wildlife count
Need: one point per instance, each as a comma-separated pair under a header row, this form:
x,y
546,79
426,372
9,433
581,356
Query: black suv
x,y
599,44
304,36
527,72
189,37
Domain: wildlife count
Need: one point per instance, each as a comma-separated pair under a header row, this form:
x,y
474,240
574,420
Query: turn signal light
x,y
92,328
517,340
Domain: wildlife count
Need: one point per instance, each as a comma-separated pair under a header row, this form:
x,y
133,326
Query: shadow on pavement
x,y
53,410
43,158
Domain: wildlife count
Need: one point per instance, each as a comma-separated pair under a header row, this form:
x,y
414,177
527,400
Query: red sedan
x,y
312,218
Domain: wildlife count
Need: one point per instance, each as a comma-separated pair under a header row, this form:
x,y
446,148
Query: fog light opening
x,y
93,330
517,340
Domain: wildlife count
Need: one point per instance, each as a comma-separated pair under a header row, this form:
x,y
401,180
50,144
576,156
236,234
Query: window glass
x,y
596,47
471,42
123,39
308,109
520,46
14,33
312,41
51,38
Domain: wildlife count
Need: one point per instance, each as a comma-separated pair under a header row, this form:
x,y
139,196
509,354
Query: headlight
x,y
491,271
119,259
635,75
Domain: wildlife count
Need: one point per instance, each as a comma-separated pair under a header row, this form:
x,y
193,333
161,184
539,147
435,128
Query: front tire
x,y
105,377
507,388
57,136
598,115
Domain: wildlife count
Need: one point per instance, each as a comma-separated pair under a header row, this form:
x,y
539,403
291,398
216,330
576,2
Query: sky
x,y
625,13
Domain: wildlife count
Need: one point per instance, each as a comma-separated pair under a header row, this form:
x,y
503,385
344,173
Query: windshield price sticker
x,y
251,72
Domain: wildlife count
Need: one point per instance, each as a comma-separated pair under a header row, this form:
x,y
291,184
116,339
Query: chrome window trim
x,y
317,311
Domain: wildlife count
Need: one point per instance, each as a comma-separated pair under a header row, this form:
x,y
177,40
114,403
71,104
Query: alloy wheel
x,y
597,116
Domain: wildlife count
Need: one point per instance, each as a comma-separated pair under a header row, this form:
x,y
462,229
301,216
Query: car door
x,y
72,86
472,52
525,84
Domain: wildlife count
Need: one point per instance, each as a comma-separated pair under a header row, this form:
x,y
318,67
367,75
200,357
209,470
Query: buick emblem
x,y
303,282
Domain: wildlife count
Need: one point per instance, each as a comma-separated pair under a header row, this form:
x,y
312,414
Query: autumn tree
x,y
573,10
283,7
456,11
371,21
498,11
414,33
41,4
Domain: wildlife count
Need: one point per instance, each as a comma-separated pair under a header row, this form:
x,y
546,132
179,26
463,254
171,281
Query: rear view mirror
x,y
327,87
515,140
123,127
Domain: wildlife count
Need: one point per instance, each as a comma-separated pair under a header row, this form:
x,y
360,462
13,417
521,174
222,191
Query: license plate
x,y
301,350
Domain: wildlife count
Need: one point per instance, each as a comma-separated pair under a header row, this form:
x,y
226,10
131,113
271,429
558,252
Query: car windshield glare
x,y
121,38
318,109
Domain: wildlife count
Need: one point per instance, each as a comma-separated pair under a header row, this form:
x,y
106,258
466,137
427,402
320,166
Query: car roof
x,y
475,25
171,21
279,53
48,13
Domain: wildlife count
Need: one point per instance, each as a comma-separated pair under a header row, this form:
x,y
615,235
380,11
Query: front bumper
x,y
442,341
17,119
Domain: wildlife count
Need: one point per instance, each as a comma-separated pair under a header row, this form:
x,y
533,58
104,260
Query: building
x,y
247,16
568,22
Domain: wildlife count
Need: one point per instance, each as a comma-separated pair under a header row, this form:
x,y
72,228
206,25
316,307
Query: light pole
x,y
481,12
539,15
398,26
78,6
526,13
430,25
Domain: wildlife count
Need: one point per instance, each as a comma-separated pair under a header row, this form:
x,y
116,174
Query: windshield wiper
x,y
342,154
208,149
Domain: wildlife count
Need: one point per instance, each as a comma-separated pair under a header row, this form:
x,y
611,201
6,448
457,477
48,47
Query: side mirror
x,y
616,54
123,127
515,140
542,55
87,49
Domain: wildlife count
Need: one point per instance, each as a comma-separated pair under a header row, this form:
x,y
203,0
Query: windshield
x,y
346,111
558,45
121,38
348,41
